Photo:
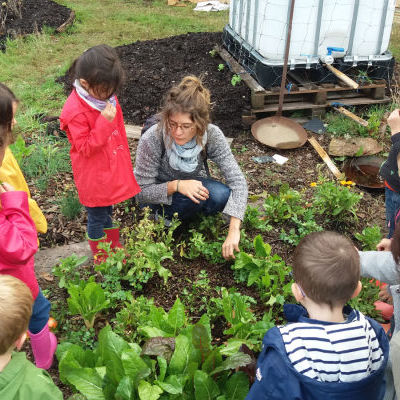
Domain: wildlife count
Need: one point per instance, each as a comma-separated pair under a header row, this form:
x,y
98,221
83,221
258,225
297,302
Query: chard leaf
x,y
176,316
232,362
205,387
125,389
111,347
173,385
181,357
134,366
147,391
162,365
87,381
237,386
200,339
159,346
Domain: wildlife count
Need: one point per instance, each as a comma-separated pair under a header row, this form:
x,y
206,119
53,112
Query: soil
x,y
35,15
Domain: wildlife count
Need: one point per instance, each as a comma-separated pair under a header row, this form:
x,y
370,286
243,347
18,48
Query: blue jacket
x,y
280,380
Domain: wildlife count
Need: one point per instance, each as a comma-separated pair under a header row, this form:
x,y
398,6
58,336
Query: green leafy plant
x,y
184,367
70,205
269,272
253,218
335,201
20,150
284,205
67,270
369,237
236,79
221,67
147,245
87,299
364,302
303,226
212,53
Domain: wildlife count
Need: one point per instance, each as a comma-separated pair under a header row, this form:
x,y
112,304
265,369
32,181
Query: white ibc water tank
x,y
361,27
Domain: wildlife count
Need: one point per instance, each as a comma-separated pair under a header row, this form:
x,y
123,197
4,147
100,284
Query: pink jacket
x,y
100,156
18,239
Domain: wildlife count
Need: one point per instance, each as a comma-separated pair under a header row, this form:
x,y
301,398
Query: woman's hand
x,y
394,121
193,189
6,187
384,245
231,243
109,112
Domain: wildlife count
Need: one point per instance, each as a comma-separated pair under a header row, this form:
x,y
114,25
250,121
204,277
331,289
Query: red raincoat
x,y
100,157
18,239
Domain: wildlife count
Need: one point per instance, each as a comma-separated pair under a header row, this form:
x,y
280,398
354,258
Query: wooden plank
x,y
303,105
133,131
323,154
238,69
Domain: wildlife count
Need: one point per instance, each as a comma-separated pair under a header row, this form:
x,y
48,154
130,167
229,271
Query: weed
x,y
70,205
335,201
20,150
236,79
283,206
369,237
67,270
221,67
212,53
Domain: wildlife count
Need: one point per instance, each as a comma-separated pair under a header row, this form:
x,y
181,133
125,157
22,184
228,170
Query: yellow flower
x,y
350,183
343,182
313,184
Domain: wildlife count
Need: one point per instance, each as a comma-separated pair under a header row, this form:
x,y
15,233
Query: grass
x,y
31,64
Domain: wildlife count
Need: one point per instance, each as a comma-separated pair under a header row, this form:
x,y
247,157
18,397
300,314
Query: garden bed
x,y
196,277
35,15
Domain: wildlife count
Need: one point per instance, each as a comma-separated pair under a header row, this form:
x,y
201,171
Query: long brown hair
x,y
7,98
189,96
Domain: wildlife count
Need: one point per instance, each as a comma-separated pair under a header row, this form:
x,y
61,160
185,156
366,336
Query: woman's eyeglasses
x,y
185,127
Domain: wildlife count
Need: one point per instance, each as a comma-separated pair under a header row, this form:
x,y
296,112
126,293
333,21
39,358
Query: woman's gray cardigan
x,y
152,170
381,265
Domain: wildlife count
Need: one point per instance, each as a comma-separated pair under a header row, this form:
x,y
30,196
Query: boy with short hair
x,y
19,378
326,351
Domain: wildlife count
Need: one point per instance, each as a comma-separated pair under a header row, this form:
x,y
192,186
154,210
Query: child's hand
x,y
384,245
6,187
394,121
109,112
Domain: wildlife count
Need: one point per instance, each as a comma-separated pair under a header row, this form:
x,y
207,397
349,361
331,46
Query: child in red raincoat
x,y
18,243
100,157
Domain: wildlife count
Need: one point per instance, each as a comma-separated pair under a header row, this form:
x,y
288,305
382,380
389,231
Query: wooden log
x,y
67,23
327,160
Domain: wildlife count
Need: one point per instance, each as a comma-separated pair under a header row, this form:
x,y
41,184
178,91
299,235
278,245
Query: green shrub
x,y
70,205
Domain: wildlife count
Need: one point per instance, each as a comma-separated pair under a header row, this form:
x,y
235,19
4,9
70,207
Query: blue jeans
x,y
98,219
40,313
392,204
186,208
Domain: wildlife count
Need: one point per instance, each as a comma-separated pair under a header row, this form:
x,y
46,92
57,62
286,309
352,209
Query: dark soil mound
x,y
35,14
153,66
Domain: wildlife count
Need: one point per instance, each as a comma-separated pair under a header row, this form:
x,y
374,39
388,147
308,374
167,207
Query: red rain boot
x,y
43,345
99,255
112,236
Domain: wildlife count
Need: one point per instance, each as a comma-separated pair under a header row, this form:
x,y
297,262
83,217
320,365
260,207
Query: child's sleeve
x,y
11,173
18,236
89,140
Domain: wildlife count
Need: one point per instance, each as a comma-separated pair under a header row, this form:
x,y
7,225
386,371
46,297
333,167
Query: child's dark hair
x,y
327,267
100,67
395,245
7,98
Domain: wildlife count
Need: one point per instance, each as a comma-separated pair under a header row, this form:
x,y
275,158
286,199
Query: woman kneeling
x,y
171,166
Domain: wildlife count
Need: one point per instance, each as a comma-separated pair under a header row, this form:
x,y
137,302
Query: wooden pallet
x,y
304,95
